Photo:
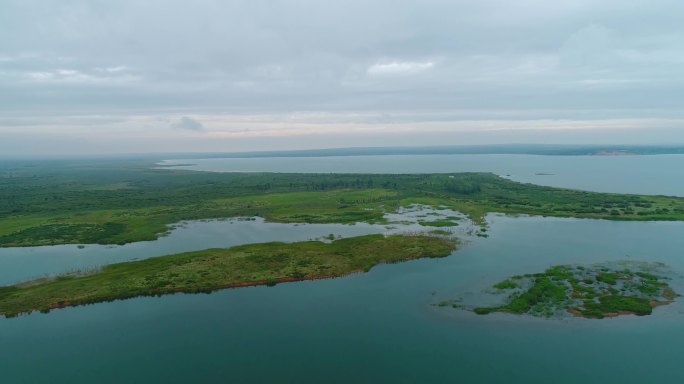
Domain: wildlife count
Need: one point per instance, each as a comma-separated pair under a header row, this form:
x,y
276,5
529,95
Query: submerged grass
x,y
438,223
212,269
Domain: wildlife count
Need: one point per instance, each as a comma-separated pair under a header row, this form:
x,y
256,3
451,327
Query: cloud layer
x,y
168,69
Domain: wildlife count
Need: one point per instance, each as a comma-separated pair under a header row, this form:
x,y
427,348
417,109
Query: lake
x,y
656,175
379,326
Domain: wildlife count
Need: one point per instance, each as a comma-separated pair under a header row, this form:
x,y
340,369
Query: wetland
x,y
309,325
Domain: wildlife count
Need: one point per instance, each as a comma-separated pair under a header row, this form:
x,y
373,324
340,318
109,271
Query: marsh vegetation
x,y
212,269
117,202
596,291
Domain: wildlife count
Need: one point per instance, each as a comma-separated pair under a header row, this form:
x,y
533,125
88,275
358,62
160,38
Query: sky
x,y
129,76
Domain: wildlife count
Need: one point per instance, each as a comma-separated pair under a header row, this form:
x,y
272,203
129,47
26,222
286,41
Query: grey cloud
x,y
303,54
422,58
189,124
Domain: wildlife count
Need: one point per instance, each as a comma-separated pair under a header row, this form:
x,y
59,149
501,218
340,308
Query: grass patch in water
x,y
588,291
438,223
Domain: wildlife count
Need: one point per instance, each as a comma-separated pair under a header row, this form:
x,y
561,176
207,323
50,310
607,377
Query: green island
x,y
123,201
213,269
596,291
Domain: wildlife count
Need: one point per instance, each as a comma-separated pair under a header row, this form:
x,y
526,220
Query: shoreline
x,y
652,303
245,284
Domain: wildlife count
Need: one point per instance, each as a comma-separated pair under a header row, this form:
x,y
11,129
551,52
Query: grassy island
x,y
592,292
213,269
117,202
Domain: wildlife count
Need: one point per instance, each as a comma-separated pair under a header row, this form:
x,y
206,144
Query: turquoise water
x,y
374,327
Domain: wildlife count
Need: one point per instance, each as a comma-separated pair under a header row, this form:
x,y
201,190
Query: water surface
x,y
373,327
658,174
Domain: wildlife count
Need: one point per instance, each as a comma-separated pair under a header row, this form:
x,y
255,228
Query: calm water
x,y
26,263
20,264
662,174
373,327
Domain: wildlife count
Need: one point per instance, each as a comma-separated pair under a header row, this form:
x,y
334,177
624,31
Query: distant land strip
x,y
518,149
118,203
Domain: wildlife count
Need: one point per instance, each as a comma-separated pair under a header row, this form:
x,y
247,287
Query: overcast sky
x,y
156,76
